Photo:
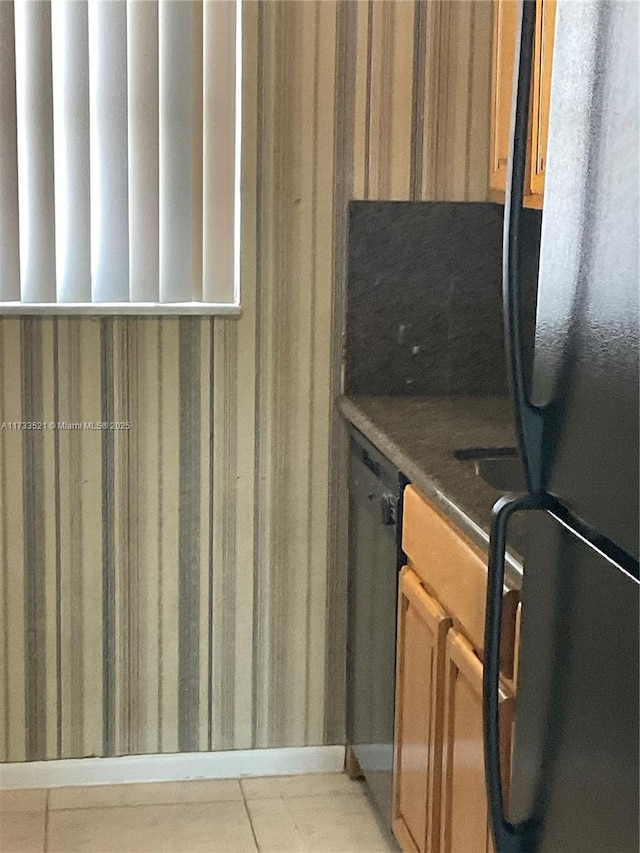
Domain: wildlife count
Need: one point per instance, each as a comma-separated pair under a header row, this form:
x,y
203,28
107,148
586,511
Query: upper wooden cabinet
x,y
545,30
505,28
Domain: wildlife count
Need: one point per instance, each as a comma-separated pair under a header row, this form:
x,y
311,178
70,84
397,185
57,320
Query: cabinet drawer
x,y
455,572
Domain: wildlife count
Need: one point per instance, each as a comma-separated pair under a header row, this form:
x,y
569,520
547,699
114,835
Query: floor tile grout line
x,y
144,805
98,805
248,813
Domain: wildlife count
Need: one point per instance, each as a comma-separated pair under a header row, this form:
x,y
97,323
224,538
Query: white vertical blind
x,y
119,167
219,148
35,151
9,231
142,60
177,113
109,156
70,58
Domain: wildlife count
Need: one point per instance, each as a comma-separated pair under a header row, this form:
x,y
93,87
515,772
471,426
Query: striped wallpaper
x,y
179,585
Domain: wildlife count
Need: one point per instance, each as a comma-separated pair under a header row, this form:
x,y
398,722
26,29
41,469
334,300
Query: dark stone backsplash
x,y
435,269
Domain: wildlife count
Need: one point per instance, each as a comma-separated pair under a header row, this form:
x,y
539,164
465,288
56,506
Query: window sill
x,y
169,309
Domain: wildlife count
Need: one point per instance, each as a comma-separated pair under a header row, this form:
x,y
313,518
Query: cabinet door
x,y
422,628
465,822
545,29
505,28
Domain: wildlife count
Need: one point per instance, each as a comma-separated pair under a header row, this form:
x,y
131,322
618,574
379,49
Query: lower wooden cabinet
x,y
440,805
422,629
464,816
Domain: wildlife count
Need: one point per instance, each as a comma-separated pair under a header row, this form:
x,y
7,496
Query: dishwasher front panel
x,y
373,576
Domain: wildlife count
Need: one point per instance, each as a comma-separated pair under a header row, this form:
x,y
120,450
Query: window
x,y
119,156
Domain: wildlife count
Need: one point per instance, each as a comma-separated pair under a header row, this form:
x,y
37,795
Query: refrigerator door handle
x,y
509,838
529,418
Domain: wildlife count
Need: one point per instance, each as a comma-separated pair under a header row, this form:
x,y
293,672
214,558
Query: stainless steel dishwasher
x,y
375,487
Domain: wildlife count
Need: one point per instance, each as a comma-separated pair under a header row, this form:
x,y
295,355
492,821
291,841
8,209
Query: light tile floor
x,y
316,813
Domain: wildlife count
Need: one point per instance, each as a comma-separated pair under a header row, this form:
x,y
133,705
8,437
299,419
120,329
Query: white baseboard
x,y
172,768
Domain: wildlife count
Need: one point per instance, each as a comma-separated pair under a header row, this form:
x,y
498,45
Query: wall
x,y
180,586
413,105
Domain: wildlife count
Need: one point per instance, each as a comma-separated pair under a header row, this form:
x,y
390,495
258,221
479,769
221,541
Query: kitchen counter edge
x,y
417,474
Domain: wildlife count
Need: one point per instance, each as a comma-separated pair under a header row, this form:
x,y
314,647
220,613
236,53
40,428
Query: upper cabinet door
x,y
505,28
545,29
506,22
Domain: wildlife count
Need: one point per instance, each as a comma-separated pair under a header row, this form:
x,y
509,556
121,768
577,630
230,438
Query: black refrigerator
x,y
574,782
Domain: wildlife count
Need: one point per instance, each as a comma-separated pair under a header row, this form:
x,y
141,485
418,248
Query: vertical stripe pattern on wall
x,y
108,558
79,553
422,87
180,584
418,97
345,179
35,542
104,577
291,478
412,123
189,537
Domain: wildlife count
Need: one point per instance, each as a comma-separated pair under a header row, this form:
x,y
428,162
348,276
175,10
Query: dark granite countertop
x,y
420,434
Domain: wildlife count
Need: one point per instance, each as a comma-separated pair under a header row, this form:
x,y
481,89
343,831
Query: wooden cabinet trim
x,y
541,95
413,590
